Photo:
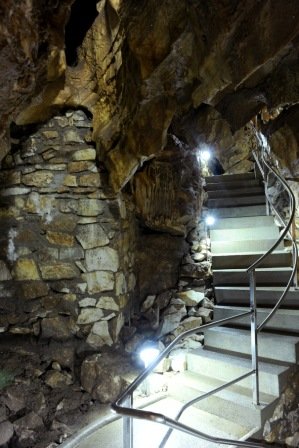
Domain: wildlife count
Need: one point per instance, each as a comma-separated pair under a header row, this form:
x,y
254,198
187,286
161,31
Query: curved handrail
x,y
172,423
119,407
287,227
143,375
283,234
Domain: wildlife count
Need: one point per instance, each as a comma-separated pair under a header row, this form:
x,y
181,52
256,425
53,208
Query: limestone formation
x,y
101,130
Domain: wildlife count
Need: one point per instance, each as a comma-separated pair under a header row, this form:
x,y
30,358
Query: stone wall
x,y
66,257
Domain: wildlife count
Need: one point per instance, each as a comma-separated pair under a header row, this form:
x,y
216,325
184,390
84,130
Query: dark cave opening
x,y
81,18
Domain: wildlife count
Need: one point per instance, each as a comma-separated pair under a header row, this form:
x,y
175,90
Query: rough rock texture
x,y
139,66
283,426
32,54
65,237
161,80
105,377
167,192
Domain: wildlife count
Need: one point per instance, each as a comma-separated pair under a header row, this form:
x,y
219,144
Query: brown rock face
x,y
138,67
158,260
31,42
167,191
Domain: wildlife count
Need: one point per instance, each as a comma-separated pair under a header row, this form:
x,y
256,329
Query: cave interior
x,y
107,108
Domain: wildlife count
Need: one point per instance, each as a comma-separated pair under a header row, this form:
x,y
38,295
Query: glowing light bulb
x,y
205,155
147,355
210,220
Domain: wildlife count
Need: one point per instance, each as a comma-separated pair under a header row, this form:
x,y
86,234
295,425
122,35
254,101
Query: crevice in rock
x,y
81,18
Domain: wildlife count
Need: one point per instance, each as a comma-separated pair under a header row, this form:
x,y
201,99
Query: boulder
x,y
58,380
105,376
172,316
6,432
191,297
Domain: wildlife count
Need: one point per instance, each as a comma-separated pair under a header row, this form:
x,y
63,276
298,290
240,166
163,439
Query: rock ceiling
x,y
143,68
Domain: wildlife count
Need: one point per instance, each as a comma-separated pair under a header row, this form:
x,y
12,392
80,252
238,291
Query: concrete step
x,y
234,402
265,295
148,434
235,212
241,246
244,260
245,233
229,178
232,185
264,276
249,191
284,320
236,201
226,367
270,345
243,222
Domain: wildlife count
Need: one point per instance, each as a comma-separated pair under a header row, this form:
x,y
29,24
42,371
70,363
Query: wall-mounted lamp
x,y
210,220
148,354
205,155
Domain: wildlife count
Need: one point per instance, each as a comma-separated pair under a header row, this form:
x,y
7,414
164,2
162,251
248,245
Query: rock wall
x,y
167,191
67,242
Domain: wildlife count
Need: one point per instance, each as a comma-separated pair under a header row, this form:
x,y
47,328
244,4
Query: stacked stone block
x,y
65,265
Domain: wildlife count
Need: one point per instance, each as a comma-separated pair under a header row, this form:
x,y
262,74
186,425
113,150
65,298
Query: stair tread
x,y
246,333
243,222
149,435
236,201
240,211
257,253
244,233
262,288
241,395
231,359
255,189
229,177
275,269
286,320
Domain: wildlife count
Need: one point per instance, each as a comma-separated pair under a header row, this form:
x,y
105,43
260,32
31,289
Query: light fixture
x,y
148,354
210,220
205,155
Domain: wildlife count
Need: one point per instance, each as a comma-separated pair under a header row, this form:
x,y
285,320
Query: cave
x,y
149,158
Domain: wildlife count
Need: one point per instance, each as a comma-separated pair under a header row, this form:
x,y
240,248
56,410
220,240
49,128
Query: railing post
x,y
293,232
128,425
254,341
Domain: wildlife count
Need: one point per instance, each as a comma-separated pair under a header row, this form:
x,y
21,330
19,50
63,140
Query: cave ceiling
x,y
141,68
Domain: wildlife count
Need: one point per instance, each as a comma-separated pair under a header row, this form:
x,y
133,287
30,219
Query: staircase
x,y
241,234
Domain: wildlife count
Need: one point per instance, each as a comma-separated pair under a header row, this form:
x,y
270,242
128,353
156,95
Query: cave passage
x,y
81,18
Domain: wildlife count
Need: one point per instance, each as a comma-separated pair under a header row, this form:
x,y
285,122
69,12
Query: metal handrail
x,y
283,234
123,404
287,227
126,396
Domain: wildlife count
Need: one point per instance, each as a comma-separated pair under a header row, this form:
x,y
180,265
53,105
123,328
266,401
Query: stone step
x,y
284,320
241,246
243,222
265,295
270,345
235,212
229,178
221,193
236,201
245,233
226,367
264,276
244,260
234,402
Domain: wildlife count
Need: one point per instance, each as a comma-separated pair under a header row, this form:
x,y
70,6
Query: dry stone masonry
x,y
66,269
